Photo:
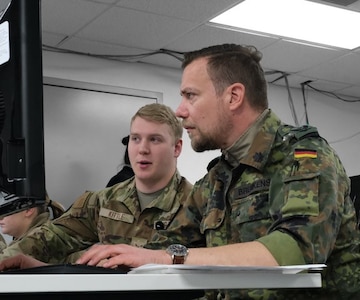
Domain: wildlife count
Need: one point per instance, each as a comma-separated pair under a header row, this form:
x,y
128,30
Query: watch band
x,y
178,253
178,260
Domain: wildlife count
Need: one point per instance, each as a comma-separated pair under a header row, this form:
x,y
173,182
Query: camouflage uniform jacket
x,y
290,192
37,222
3,244
109,216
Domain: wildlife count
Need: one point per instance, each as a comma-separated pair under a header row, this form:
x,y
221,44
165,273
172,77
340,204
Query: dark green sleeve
x,y
284,248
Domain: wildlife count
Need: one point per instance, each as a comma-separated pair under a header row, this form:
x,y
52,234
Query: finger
x,y
114,262
30,262
94,255
10,263
87,255
102,254
101,262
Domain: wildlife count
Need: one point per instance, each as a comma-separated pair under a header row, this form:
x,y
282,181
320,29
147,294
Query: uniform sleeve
x,y
75,230
284,248
309,206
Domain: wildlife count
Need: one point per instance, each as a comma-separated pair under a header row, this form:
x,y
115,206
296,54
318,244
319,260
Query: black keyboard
x,y
68,269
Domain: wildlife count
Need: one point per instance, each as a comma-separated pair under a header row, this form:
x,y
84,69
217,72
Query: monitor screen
x,y
22,170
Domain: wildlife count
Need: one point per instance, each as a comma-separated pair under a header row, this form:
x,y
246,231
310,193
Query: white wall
x,y
129,75
335,120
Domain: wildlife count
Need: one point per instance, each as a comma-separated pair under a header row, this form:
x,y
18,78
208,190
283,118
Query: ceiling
x,y
126,29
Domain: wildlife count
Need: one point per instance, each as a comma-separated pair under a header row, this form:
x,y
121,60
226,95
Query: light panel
x,y
297,19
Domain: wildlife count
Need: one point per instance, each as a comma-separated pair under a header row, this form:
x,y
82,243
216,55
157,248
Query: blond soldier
x,y
132,212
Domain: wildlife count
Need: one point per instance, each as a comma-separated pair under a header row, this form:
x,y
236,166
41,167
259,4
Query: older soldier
x,y
131,212
278,195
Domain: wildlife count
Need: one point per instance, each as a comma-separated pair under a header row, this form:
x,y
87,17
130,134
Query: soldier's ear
x,y
30,211
236,93
178,147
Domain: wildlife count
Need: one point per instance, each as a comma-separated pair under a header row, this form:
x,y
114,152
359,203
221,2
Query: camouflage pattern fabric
x,y
3,244
40,220
290,192
37,222
109,216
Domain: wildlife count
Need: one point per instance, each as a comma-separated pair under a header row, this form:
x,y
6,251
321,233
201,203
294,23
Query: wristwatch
x,y
178,253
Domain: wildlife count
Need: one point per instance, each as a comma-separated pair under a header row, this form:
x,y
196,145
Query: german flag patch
x,y
305,153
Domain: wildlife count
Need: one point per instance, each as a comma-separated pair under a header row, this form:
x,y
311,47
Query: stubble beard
x,y
213,137
211,140
203,143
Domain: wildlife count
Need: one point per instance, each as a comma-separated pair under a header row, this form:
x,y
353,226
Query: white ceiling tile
x,y
52,39
207,35
126,54
68,16
294,57
135,28
132,27
104,1
355,6
99,48
343,69
163,60
3,5
196,11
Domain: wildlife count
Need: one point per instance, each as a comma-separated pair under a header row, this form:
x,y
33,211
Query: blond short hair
x,y
160,113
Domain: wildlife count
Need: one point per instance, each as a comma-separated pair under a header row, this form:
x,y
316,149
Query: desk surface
x,y
27,283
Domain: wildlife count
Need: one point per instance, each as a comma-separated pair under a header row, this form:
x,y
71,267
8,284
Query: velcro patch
x,y
138,242
114,215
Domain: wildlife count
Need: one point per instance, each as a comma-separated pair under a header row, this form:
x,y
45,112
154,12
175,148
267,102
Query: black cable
x,y
290,100
331,94
305,103
345,138
133,57
179,56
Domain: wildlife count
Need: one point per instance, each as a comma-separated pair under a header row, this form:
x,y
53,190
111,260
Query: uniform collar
x,y
164,201
254,146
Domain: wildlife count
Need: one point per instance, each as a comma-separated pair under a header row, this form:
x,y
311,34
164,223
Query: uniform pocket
x,y
250,217
212,219
301,195
251,208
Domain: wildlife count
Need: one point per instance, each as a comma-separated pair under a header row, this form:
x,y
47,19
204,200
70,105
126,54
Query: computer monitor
x,y
22,170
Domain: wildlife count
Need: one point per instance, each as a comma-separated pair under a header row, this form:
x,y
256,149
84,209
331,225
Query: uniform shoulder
x,y
289,132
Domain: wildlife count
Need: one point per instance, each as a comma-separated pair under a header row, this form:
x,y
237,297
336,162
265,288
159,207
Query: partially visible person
x,y
126,172
135,212
20,224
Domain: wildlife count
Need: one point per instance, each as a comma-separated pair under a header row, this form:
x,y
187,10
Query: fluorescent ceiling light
x,y
298,19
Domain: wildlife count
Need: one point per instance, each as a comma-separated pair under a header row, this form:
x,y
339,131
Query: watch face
x,y
178,250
